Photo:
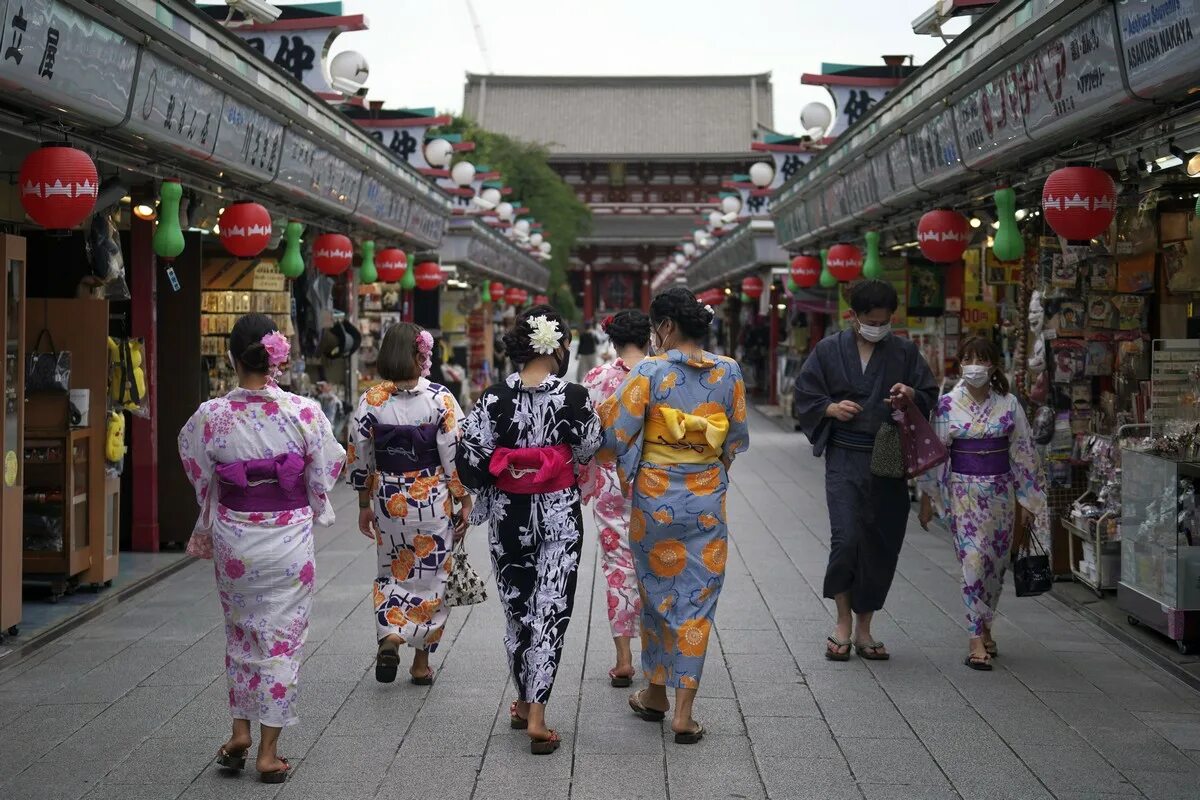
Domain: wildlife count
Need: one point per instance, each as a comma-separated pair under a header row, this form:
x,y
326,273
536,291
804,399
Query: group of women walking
x,y
649,440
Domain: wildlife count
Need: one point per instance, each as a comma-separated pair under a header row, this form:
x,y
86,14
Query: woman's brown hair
x,y
398,357
984,349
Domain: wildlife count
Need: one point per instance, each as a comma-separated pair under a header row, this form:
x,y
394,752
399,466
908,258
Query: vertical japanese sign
x,y
175,107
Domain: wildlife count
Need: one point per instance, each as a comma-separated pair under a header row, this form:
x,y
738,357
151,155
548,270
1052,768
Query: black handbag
x,y
48,371
1032,574
887,456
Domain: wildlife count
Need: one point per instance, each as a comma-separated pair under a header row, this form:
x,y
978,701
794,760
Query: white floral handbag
x,y
464,587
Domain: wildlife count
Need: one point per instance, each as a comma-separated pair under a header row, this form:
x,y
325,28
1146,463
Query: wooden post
x,y
589,303
143,270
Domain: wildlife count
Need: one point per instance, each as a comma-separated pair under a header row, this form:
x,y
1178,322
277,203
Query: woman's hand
x,y
368,524
925,515
462,522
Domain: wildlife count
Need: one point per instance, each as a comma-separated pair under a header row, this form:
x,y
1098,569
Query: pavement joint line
x,y
583,677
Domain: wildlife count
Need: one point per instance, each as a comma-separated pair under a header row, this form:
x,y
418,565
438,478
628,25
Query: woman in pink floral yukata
x,y
629,332
262,462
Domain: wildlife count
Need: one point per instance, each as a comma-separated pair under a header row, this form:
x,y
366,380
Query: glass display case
x,y
1160,546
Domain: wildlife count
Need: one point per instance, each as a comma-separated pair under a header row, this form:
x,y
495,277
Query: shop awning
x,y
752,246
1029,78
157,86
477,247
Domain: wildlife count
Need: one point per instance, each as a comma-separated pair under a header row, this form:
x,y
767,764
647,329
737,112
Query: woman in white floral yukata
x,y
403,442
262,462
990,491
629,332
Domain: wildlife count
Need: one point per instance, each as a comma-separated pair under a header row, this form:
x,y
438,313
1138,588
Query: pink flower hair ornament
x,y
425,352
278,348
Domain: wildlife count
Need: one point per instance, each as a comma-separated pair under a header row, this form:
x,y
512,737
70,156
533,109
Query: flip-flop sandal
x,y
515,720
276,775
870,651
690,737
980,663
425,680
648,714
231,759
833,655
544,747
619,681
387,663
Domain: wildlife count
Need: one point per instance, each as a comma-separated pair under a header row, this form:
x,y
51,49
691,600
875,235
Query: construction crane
x,y
483,51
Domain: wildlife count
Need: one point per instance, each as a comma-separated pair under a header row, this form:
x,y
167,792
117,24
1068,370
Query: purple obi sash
x,y
263,484
406,448
980,456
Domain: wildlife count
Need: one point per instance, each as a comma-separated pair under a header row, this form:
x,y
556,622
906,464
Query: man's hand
x,y
902,389
925,515
844,411
368,524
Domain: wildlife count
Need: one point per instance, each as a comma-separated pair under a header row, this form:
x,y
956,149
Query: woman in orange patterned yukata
x,y
674,428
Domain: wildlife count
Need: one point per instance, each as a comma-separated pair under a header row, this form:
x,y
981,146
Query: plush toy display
x,y
114,443
127,373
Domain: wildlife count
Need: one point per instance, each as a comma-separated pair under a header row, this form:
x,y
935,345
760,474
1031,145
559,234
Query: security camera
x,y
257,10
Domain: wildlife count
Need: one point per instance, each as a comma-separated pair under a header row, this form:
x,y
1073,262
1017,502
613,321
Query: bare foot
x,y
272,763
237,745
623,671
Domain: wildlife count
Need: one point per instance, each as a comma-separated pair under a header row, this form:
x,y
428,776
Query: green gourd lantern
x,y
292,263
409,281
792,287
168,236
873,266
1007,244
827,279
367,272
485,296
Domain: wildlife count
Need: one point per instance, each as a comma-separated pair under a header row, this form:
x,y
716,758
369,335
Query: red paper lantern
x,y
844,262
497,292
428,275
716,297
943,235
391,263
1079,202
752,287
58,186
806,271
541,300
332,253
513,296
245,229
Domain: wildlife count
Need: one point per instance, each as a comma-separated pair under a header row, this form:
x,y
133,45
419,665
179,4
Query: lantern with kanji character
x,y
1079,202
752,286
806,271
942,235
58,186
428,275
332,253
844,262
390,263
245,229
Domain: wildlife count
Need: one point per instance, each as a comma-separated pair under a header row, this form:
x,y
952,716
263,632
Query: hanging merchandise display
x,y
806,271
942,235
391,263
58,186
168,236
292,263
332,253
428,276
1079,202
828,281
752,287
844,262
1007,244
873,265
367,273
245,229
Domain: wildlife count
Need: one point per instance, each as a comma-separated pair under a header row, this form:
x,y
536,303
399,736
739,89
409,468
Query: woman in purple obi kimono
x,y
262,462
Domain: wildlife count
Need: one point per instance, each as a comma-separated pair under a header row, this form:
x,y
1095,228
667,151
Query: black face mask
x,y
564,361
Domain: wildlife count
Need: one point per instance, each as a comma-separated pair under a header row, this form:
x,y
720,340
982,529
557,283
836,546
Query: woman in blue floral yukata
x,y
990,491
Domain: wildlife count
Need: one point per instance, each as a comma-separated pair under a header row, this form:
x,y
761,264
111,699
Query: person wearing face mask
x,y
520,450
991,492
842,396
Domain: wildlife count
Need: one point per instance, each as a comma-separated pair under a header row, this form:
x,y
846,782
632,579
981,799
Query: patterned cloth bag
x,y
923,450
887,456
464,587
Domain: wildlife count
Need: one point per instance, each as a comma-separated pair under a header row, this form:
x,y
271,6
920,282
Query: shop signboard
x,y
900,166
732,256
173,107
248,141
933,149
860,189
990,120
64,58
307,168
425,224
1159,44
380,204
814,205
852,103
834,197
1074,78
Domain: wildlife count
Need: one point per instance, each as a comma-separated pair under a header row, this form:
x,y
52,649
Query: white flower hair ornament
x,y
712,315
544,335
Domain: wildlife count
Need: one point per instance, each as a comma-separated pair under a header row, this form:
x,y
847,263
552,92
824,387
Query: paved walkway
x,y
132,706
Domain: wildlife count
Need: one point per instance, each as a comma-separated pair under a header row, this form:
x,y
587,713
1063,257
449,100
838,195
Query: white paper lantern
x,y
545,248
463,173
816,117
491,196
522,227
761,174
348,72
536,240
680,259
731,204
714,219
505,211
699,237
689,249
438,153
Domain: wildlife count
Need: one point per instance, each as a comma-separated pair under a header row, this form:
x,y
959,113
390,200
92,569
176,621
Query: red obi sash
x,y
532,470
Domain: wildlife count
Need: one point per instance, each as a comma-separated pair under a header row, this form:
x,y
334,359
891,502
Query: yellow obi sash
x,y
675,437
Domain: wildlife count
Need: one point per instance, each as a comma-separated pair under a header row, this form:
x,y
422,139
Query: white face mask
x,y
232,363
874,333
976,375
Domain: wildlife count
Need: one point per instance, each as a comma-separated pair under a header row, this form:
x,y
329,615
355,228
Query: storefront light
x,y
996,226
145,212
975,222
1021,214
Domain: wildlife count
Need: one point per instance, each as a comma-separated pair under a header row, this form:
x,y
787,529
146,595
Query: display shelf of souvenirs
x,y
379,308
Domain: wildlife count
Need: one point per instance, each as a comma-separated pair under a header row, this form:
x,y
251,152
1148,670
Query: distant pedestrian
x,y
586,349
403,442
629,332
521,446
674,427
843,396
262,462
991,492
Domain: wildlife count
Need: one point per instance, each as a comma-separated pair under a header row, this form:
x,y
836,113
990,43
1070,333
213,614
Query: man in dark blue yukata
x,y
843,395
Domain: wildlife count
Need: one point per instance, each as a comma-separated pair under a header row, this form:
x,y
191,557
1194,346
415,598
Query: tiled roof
x,y
639,229
624,116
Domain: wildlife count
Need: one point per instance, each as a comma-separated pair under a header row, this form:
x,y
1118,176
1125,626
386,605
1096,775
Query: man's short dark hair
x,y
866,296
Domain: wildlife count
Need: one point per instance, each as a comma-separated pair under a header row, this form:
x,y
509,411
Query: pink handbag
x,y
922,449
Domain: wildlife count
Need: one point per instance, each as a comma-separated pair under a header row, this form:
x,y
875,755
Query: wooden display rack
x,y
12,390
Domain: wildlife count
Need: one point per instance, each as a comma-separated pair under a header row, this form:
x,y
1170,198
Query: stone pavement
x,y
131,706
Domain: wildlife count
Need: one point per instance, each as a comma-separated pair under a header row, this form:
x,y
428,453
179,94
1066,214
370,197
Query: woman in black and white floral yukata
x,y
520,449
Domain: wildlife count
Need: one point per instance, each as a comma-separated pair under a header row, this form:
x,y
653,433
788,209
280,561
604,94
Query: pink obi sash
x,y
533,470
263,484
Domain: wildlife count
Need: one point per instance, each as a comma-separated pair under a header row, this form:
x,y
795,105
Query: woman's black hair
x,y
398,355
868,295
984,349
516,341
681,307
245,342
631,327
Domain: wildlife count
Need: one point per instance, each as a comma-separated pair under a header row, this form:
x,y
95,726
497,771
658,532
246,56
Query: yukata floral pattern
x,y
414,511
678,523
981,509
263,560
536,539
610,507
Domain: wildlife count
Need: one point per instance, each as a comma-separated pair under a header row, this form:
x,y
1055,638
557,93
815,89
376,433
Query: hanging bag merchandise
x,y
50,370
1032,574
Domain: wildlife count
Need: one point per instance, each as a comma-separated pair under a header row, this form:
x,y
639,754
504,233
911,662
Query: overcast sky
x,y
418,51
